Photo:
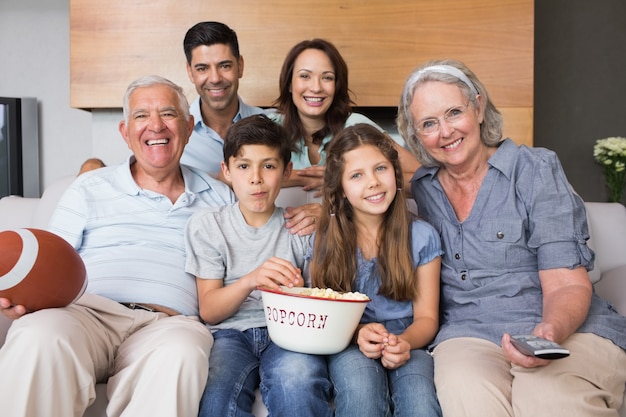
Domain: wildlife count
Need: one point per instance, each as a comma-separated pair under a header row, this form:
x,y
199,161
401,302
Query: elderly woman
x,y
514,235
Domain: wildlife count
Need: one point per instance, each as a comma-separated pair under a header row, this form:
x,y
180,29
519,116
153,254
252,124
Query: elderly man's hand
x,y
10,311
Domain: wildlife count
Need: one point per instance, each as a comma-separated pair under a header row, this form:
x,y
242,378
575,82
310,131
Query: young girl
x,y
368,242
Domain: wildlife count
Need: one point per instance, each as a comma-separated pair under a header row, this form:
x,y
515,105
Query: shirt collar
x,y
195,181
194,110
504,158
123,178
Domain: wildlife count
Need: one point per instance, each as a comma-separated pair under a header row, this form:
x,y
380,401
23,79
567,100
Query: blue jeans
x,y
292,384
363,387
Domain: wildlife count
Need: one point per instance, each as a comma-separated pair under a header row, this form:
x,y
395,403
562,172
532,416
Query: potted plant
x,y
610,153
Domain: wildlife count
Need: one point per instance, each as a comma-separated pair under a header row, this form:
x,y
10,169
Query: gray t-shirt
x,y
221,245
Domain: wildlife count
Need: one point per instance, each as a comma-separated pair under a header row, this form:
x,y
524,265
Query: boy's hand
x,y
275,272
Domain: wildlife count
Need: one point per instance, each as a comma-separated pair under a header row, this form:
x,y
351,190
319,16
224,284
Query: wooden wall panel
x,y
116,41
518,124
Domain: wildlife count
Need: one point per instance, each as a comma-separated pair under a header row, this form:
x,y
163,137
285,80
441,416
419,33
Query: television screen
x,y
19,147
4,186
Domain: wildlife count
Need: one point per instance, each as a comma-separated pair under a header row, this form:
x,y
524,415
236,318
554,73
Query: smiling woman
x,y
514,233
314,104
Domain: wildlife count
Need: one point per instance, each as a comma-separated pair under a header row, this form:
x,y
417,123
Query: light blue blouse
x,y
301,160
396,315
425,246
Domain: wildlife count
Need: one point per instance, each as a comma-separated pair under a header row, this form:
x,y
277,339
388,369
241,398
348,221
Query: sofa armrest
x,y
608,234
612,288
295,197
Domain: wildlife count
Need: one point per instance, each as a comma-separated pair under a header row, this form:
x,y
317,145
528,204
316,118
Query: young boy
x,y
232,251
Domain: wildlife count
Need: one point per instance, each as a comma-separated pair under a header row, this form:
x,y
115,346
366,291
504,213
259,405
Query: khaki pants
x,y
156,365
474,379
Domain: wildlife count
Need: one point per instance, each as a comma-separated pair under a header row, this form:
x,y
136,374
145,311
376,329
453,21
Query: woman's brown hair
x,y
338,111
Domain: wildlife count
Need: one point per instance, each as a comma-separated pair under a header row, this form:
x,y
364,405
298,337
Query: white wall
x,y
108,144
35,62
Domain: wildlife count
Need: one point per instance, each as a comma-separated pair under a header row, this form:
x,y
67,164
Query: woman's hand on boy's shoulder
x,y
303,220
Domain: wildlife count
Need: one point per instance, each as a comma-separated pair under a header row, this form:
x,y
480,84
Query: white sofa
x,y
607,225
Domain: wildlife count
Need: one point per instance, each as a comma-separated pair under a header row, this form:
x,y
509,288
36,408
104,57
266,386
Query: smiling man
x,y
214,66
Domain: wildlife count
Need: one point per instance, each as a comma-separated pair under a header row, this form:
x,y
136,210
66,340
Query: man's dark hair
x,y
210,33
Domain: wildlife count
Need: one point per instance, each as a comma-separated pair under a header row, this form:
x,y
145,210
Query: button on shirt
x,y
526,218
205,150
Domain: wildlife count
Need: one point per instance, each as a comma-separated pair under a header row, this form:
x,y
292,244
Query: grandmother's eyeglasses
x,y
430,126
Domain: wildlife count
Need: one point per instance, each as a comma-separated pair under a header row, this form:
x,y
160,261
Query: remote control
x,y
539,347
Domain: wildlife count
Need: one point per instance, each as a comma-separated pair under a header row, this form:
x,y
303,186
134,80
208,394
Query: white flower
x,y
611,154
610,151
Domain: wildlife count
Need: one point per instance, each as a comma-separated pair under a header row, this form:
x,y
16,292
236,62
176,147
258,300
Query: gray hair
x,y
149,81
490,129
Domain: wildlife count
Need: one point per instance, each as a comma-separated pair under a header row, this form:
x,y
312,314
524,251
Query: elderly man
x,y
136,326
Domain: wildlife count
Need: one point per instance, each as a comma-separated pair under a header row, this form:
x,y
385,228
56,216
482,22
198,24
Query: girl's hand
x,y
396,352
372,339
275,272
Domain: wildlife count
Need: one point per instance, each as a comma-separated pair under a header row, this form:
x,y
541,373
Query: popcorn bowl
x,y
310,324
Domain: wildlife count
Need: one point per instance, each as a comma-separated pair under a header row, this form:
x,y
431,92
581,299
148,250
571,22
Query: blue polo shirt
x,y
205,149
132,240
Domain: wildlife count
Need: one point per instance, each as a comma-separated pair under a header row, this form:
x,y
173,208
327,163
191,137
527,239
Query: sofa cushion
x,y
49,201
